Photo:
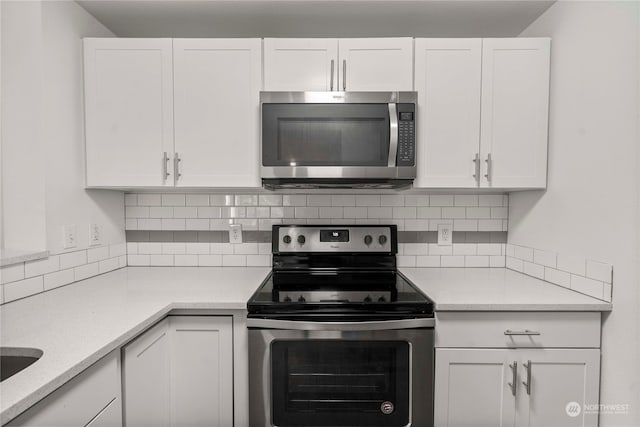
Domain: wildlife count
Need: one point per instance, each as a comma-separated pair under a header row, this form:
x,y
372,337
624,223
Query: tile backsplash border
x,y
29,278
582,275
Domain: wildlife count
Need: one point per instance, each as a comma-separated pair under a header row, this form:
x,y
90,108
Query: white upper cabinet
x,y
129,111
293,65
370,64
376,64
217,84
447,79
515,112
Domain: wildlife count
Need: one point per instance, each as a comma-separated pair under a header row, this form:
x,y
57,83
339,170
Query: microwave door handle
x,y
393,135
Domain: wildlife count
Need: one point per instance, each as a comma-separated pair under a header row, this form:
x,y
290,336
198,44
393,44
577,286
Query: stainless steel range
x,y
337,336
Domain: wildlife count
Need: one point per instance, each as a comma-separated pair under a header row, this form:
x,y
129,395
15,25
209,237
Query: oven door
x,y
340,374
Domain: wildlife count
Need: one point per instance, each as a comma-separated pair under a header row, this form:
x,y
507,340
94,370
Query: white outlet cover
x,y
235,233
95,234
70,237
445,234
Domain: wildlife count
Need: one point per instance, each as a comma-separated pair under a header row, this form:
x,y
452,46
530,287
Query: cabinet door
x,y
129,111
217,90
372,64
562,382
515,109
447,79
471,388
300,64
201,371
147,378
111,416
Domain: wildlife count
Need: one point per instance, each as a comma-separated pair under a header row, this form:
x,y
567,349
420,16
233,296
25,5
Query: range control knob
x,y
367,298
287,299
301,299
382,239
286,239
367,240
382,299
301,239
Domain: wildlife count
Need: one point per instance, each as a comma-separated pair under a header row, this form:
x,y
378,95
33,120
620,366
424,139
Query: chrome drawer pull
x,y
514,371
525,332
527,383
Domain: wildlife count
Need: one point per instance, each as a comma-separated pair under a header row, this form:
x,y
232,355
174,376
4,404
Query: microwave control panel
x,y
406,135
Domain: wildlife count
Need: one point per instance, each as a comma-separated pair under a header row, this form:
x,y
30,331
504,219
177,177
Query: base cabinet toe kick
x,y
533,369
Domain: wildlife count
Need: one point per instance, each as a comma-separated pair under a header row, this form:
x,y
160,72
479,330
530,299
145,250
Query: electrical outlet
x,y
235,233
445,234
95,234
70,236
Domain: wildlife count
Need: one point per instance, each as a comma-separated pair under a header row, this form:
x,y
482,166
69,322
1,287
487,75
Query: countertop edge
x,y
604,307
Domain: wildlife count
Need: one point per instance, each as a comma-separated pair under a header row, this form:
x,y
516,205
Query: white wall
x,y
64,24
591,206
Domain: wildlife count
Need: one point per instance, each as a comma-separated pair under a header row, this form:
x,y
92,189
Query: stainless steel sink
x,y
15,359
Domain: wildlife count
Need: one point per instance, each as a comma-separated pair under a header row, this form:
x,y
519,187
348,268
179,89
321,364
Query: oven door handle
x,y
341,326
393,135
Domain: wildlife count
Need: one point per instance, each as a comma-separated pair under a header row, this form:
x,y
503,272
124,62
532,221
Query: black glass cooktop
x,y
338,295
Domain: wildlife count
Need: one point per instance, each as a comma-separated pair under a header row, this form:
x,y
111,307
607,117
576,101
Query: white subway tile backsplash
x,y
599,271
185,212
494,249
392,200
130,224
358,212
500,213
139,260
169,224
368,221
368,200
465,225
132,247
209,212
246,200
435,249
248,223
150,248
558,277
452,261
266,224
174,248
523,253
515,264
572,264
546,258
416,249
440,200
490,200
270,200
117,249
43,266
274,212
210,260
510,250
587,286
466,249
149,224
197,248
479,213
161,260
343,200
137,211
428,261
23,288
149,200
221,200
331,212
234,260
497,261
173,200
406,261
416,200
200,224
85,271
319,200
408,212
294,200
234,212
221,248
197,200
97,254
454,212
130,199
429,212
490,225
534,270
380,212
185,260
476,261
607,292
414,225
264,248
307,212
258,261
107,265
220,224
465,200
58,278
245,248
73,259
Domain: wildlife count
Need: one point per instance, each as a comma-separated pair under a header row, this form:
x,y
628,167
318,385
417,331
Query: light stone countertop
x,y
496,289
76,325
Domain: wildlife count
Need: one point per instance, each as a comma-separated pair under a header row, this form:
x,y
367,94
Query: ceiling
x,y
310,18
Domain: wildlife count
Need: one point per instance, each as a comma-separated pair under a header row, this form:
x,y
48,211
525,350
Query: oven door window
x,y
340,383
325,134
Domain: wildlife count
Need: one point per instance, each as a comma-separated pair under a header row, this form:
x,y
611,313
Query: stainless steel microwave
x,y
338,139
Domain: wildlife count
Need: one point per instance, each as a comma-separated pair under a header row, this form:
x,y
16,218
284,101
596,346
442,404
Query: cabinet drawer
x,y
517,329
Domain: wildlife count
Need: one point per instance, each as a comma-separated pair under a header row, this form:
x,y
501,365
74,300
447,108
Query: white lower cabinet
x,y
90,399
180,373
526,385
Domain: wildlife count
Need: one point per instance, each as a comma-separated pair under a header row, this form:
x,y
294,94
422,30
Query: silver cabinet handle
x,y
344,74
527,384
525,332
514,374
331,84
489,166
176,166
476,174
165,166
393,135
